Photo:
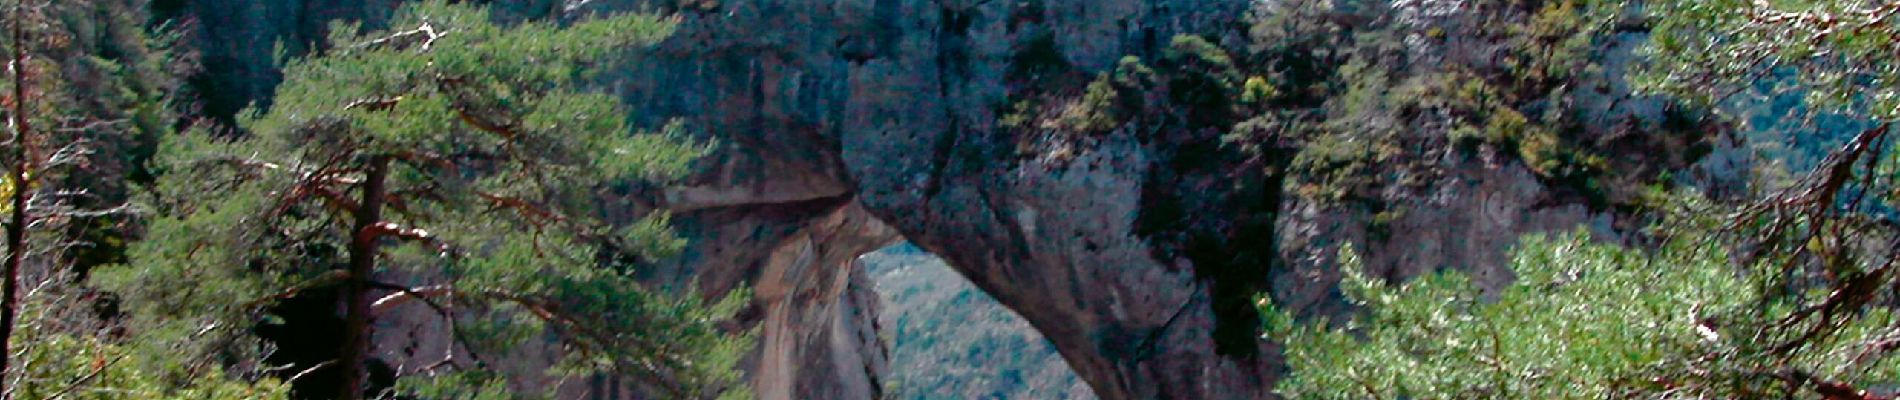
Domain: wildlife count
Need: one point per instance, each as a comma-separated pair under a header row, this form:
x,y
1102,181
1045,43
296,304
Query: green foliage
x,y
1584,320
1367,95
494,155
1193,53
101,86
1557,42
1055,119
1825,67
63,349
949,340
1203,80
86,368
1018,114
1839,56
1093,113
1335,168
1802,315
94,84
1839,52
1257,90
1105,104
1302,43
1131,74
1339,156
467,385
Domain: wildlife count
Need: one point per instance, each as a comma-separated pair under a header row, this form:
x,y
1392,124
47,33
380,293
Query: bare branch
x,y
306,372
425,35
404,294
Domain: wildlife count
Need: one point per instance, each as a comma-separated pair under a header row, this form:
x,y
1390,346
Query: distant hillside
x,y
951,341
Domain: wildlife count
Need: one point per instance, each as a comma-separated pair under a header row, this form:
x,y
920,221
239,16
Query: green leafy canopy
x,y
1584,320
493,154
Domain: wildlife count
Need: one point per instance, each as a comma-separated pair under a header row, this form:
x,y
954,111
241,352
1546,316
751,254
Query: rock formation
x,y
844,125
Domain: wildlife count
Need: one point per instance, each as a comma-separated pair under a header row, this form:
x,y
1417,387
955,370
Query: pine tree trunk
x,y
18,220
356,318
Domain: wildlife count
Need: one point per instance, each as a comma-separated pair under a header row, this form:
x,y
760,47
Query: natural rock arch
x,y
882,110
834,115
846,124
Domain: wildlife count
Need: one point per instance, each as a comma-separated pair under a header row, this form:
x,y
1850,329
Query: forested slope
x,y
632,198
948,340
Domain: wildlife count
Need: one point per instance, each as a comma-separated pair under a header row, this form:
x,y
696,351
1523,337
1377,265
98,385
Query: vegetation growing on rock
x,y
1785,295
440,202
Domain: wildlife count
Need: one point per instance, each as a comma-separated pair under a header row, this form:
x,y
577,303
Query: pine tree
x,y
1840,53
451,164
1831,233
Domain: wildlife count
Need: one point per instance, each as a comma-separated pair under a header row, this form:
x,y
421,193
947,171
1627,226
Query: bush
x,y
1584,321
1094,113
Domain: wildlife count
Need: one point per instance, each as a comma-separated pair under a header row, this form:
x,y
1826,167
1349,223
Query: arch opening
x,y
949,339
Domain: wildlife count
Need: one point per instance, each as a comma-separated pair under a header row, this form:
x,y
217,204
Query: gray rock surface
x,y
846,124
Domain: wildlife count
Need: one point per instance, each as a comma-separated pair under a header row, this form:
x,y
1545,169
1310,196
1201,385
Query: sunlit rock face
x,y
892,102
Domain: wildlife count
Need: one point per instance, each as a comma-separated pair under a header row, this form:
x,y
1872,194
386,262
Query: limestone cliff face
x,y
830,112
847,124
894,99
237,42
812,306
